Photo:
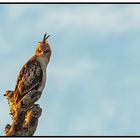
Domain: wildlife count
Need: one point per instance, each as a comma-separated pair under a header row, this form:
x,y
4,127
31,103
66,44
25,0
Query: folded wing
x,y
29,78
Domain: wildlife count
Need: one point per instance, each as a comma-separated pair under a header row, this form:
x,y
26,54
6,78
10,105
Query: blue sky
x,y
93,78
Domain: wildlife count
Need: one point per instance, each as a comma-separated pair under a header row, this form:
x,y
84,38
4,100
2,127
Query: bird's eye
x,y
39,51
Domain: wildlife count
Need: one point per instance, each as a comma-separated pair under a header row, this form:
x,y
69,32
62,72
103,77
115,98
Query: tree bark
x,y
25,114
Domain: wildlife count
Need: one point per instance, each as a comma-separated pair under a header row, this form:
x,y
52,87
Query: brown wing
x,y
28,79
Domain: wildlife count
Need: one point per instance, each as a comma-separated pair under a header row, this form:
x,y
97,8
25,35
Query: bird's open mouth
x,y
45,37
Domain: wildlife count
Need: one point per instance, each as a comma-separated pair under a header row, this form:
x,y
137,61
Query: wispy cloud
x,y
90,82
104,19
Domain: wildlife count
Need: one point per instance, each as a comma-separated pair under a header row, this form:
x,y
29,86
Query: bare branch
x,y
25,114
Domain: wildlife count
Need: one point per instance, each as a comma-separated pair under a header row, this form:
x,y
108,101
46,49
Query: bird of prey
x,y
32,76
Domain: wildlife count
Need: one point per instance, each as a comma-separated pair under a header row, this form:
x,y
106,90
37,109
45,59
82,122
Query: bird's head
x,y
43,48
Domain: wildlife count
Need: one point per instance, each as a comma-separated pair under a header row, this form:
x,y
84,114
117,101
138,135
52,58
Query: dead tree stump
x,y
24,114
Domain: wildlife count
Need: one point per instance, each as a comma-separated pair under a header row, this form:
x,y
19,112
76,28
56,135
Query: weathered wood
x,y
25,114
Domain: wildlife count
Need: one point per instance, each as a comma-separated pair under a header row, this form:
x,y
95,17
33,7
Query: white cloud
x,y
101,18
104,19
65,75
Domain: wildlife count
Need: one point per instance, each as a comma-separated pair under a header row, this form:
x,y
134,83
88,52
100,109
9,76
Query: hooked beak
x,y
45,37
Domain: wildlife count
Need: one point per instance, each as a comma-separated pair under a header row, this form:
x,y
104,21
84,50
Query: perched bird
x,y
32,76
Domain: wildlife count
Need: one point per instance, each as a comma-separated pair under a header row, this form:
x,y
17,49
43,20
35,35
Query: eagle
x,y
32,75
